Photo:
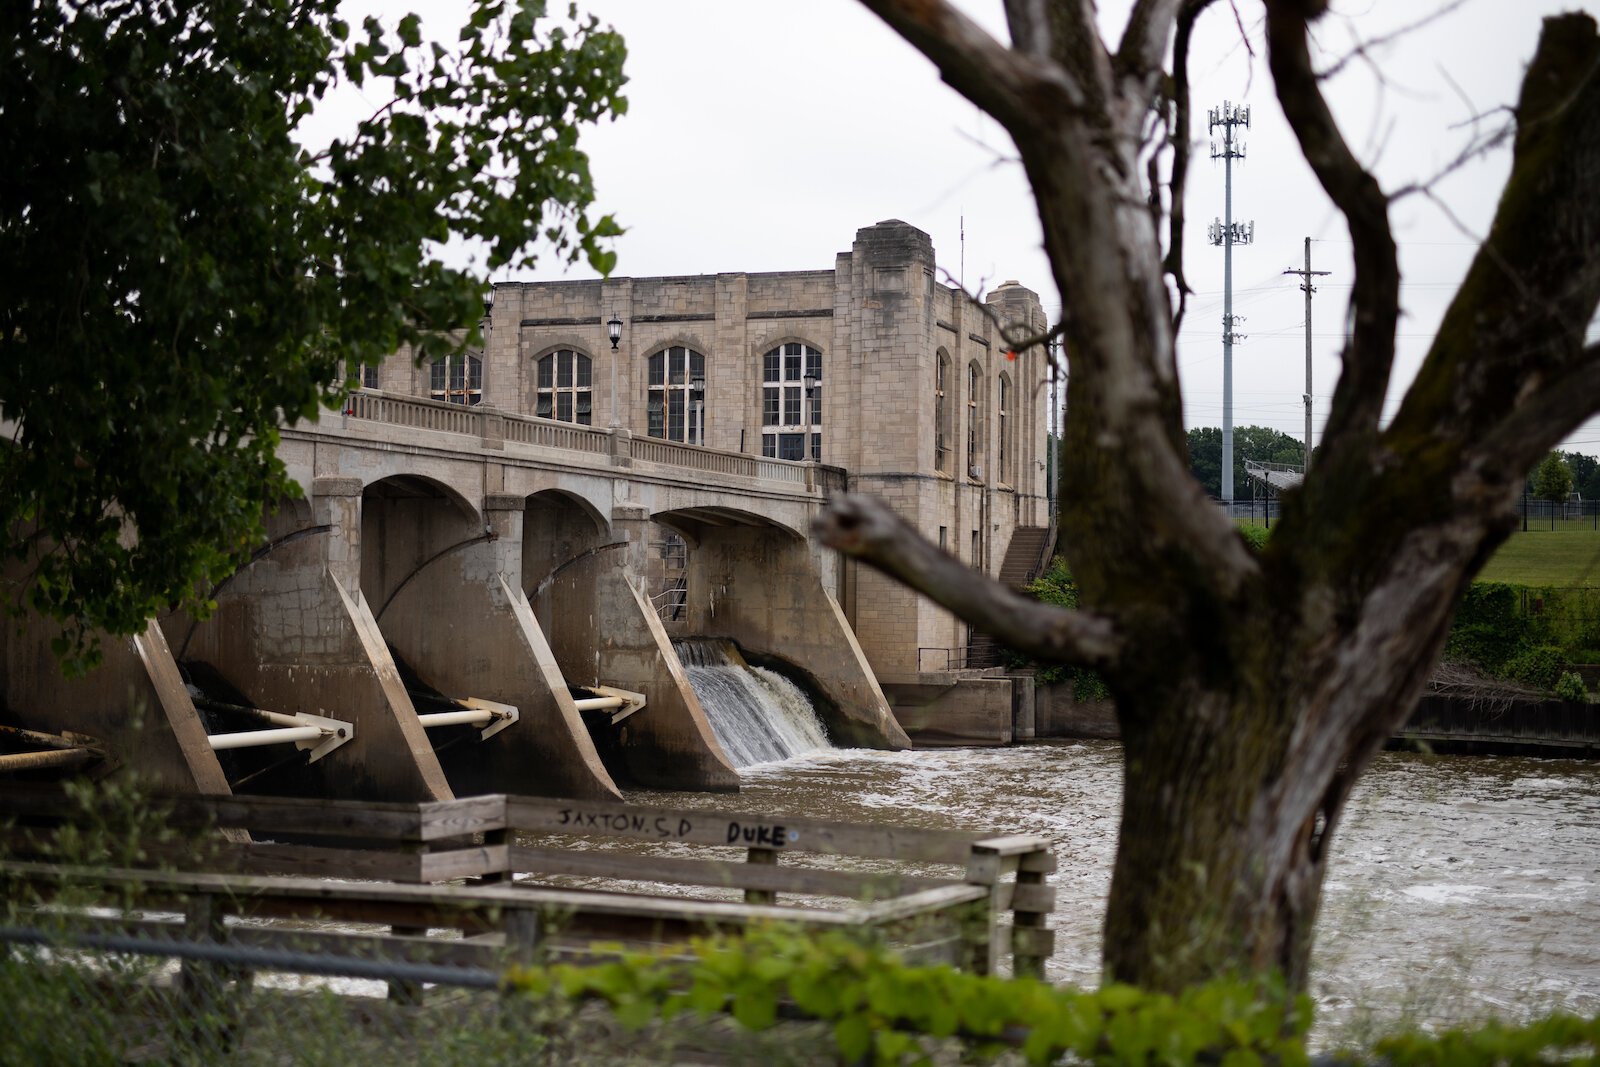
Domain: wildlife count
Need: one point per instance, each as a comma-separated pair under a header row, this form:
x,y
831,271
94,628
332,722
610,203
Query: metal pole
x,y
1227,312
1306,274
1307,460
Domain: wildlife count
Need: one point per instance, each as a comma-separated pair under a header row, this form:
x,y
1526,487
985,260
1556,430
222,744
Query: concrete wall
x,y
942,711
463,624
135,703
293,633
603,632
760,588
1057,713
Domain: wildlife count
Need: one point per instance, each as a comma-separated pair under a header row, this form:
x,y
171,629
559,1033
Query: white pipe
x,y
595,703
473,717
257,738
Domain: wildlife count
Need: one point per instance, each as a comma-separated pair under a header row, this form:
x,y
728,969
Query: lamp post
x,y
811,380
697,393
614,331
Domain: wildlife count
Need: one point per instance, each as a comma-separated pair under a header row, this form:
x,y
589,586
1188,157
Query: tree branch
x,y
1012,86
1508,373
1375,295
1558,408
1143,48
863,527
1178,136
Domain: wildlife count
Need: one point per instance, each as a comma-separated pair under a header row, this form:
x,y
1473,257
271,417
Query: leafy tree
x,y
1260,443
182,275
1552,480
1254,687
1585,474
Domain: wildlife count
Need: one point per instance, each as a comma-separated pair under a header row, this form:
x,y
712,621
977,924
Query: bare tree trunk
x,y
1253,689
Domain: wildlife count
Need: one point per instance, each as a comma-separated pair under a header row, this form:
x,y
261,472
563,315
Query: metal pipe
x,y
595,703
275,717
34,737
33,761
470,717
257,738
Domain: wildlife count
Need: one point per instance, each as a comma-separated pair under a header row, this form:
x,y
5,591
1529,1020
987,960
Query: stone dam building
x,y
507,565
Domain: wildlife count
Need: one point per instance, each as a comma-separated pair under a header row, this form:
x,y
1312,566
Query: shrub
x,y
1539,667
1255,536
1490,629
1570,687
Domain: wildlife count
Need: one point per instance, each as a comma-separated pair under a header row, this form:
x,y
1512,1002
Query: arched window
x,y
563,389
789,411
941,413
457,379
676,408
1002,432
974,421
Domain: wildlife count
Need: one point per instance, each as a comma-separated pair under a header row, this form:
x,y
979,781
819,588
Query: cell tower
x,y
1227,233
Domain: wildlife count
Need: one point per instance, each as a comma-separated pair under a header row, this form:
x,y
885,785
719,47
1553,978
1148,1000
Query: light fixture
x,y
614,331
488,299
698,384
811,381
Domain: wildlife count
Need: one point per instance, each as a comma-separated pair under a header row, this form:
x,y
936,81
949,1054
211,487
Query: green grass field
x,y
1568,555
1560,557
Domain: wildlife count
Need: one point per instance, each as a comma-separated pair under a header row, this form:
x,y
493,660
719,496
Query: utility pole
x,y
1228,233
1306,274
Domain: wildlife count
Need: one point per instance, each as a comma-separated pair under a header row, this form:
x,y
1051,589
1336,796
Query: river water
x,y
1460,887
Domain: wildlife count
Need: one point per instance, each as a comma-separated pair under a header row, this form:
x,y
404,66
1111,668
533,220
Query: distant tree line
x,y
1556,475
1260,443
1561,473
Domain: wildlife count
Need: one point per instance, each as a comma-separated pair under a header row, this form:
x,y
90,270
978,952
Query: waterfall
x,y
759,716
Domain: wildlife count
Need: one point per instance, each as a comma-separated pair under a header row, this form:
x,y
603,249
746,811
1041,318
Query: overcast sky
x,y
761,134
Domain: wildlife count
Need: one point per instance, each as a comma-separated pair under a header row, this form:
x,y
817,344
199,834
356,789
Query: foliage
x,y
183,276
1489,628
881,1009
1556,1039
1539,667
1570,687
1552,479
1525,634
1255,536
1057,586
1260,443
1585,473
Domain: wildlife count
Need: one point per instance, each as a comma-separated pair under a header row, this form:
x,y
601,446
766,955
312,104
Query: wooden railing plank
x,y
807,881
696,827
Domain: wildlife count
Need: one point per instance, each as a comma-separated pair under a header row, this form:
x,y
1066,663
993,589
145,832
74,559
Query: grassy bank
x,y
1563,558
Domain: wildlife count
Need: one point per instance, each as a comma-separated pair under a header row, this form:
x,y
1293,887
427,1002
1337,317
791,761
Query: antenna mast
x,y
1227,233
1305,283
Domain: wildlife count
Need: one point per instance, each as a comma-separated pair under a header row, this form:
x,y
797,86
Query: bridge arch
x,y
408,523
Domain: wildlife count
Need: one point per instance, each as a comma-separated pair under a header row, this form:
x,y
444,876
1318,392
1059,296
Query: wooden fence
x,y
390,861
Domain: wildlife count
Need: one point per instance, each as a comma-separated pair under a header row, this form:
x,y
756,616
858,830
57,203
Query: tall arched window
x,y
457,379
1002,432
673,400
974,421
564,387
941,413
787,411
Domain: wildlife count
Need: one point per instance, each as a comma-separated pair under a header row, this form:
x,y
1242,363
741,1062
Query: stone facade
x,y
967,468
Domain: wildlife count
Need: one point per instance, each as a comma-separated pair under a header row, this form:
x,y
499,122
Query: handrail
x,y
491,424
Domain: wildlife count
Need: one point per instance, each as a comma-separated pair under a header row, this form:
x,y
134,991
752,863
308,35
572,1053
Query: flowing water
x,y
1459,886
758,715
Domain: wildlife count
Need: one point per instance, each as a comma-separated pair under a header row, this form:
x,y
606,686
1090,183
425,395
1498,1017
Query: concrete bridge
x,y
451,551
